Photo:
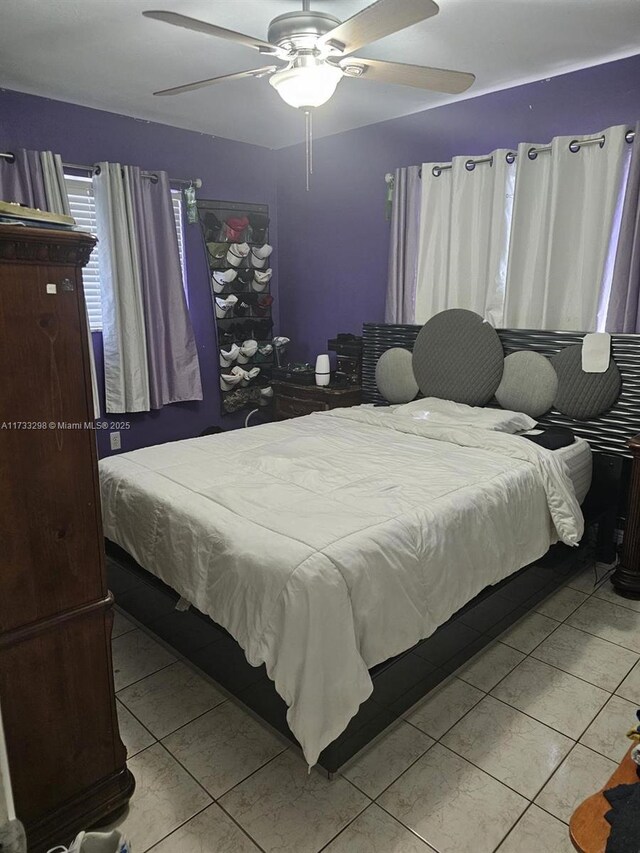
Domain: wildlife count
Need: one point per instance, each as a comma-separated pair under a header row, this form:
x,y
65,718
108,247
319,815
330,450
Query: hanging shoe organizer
x,y
236,239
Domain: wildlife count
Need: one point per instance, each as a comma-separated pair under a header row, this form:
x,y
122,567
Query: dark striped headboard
x,y
608,433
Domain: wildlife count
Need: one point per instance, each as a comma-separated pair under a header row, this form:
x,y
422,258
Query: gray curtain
x,y
623,314
174,371
150,356
126,376
403,246
34,178
55,189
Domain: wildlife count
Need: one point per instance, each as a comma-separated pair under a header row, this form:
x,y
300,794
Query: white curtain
x,y
123,327
54,186
564,218
464,236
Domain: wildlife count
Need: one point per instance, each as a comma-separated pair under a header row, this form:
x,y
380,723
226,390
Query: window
x,y
176,201
83,210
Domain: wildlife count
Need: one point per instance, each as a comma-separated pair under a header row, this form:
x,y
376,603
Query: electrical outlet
x,y
114,440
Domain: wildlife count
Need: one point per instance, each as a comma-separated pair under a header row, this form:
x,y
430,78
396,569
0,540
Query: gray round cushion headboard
x,y
459,357
529,383
394,376
584,395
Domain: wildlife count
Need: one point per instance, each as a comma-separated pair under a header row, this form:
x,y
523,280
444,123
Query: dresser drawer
x,y
294,401
295,407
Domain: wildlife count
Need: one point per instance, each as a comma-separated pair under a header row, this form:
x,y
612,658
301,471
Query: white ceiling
x,y
104,54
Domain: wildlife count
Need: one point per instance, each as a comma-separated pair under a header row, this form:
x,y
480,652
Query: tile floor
x,y
495,760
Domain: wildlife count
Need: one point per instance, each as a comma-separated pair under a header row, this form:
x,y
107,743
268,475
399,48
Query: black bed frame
x,y
402,681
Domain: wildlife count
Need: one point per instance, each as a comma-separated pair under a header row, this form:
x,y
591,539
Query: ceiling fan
x,y
317,49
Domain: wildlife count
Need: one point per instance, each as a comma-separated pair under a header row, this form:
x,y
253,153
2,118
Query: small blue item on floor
x,y
623,817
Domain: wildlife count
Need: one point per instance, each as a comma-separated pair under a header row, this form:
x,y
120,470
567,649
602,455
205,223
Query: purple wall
x,y
333,241
229,170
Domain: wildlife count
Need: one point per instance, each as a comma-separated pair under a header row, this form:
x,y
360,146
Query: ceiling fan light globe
x,y
306,86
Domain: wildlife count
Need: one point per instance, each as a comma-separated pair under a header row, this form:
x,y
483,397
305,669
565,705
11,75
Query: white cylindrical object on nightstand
x,y
323,370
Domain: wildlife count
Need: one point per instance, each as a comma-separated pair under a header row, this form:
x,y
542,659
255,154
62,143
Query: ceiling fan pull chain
x,y
308,155
310,142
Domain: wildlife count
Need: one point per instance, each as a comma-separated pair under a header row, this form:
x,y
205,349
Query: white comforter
x,y
329,543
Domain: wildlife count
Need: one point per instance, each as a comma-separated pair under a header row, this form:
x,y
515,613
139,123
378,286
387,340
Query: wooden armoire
x,y
66,760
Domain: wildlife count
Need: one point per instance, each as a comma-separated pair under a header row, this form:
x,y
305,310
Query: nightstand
x,y
293,401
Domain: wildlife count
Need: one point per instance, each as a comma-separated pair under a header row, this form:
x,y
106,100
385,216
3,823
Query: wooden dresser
x,y
66,759
292,401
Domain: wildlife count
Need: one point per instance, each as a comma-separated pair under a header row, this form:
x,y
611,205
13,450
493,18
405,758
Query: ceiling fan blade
x,y
378,20
435,79
211,30
200,84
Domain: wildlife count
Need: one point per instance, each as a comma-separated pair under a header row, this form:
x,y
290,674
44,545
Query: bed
x,y
356,558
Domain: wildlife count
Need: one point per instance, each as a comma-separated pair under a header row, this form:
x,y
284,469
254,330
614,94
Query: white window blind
x,y
83,210
176,200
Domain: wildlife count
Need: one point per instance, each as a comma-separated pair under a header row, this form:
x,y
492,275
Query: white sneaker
x,y
221,278
228,381
260,255
247,351
97,842
227,357
223,306
261,279
237,253
245,376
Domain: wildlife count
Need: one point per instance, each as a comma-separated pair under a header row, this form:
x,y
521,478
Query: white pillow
x,y
446,412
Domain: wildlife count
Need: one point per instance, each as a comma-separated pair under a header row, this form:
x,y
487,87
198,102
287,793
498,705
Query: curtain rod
x,y
574,146
196,182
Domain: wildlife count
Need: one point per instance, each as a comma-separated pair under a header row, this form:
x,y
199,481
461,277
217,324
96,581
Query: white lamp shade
x,y
306,86
323,370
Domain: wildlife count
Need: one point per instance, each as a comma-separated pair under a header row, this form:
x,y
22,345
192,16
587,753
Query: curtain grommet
x,y
574,146
470,165
436,171
510,157
10,158
532,154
